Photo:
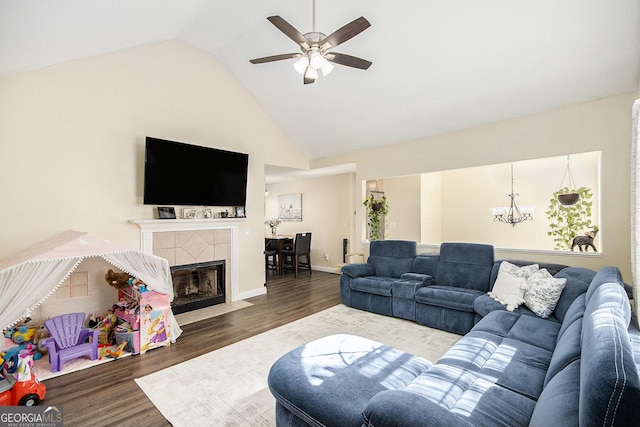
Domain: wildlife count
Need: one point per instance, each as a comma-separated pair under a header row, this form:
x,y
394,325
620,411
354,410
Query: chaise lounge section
x,y
512,368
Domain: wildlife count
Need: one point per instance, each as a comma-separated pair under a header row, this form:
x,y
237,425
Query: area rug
x,y
228,387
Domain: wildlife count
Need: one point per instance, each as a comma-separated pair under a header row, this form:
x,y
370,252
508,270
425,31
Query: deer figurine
x,y
584,242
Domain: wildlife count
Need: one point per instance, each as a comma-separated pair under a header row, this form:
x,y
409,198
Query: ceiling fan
x,y
316,46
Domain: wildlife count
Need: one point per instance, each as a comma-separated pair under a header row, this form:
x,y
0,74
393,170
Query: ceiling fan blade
x,y
345,33
310,75
275,58
289,31
348,60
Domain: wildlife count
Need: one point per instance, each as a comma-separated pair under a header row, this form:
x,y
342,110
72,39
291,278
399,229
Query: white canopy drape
x,y
29,277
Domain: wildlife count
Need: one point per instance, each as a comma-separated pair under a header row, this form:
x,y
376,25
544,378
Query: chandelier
x,y
513,214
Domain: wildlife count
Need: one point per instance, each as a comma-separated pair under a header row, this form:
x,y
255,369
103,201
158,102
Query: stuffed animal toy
x,y
117,280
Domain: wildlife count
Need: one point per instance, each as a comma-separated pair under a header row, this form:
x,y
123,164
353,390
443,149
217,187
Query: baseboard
x,y
334,270
251,294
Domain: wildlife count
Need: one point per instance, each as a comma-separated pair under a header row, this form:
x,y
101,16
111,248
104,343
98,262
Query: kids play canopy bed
x,y
29,277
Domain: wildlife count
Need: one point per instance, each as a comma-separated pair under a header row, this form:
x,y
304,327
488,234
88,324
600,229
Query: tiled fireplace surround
x,y
184,242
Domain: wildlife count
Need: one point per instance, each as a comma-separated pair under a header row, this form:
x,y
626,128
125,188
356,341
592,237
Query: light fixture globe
x,y
316,60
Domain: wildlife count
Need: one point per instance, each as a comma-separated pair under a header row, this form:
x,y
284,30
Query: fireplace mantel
x,y
150,226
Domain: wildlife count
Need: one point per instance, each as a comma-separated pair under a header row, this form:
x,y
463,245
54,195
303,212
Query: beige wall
x,y
327,212
599,125
72,143
403,220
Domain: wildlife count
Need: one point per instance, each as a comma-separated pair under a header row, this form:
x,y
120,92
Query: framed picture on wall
x,y
290,207
239,212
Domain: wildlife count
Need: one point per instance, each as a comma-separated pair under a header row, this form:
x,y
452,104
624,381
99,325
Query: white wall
x,y
403,195
72,143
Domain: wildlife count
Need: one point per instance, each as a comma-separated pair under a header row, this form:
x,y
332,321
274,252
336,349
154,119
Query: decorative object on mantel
x,y
565,221
165,212
513,214
208,213
377,207
290,207
240,212
568,196
273,223
189,213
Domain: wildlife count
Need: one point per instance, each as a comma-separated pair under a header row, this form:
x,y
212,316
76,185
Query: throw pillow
x,y
510,284
543,292
524,271
509,290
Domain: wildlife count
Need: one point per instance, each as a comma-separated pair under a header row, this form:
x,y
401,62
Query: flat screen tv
x,y
176,173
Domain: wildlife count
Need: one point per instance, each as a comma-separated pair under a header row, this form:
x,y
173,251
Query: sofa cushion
x,y
393,248
406,289
472,396
373,285
359,270
567,349
558,403
510,363
543,292
604,275
330,381
578,280
426,264
484,305
608,374
529,329
390,267
465,265
425,279
449,297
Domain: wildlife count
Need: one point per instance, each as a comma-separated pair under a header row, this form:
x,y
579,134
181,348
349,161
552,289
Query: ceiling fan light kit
x,y
315,48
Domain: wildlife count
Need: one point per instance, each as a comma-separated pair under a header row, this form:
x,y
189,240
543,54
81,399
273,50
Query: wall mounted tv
x,y
176,173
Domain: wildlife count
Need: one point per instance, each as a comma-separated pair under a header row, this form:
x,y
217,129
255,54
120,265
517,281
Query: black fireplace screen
x,y
197,285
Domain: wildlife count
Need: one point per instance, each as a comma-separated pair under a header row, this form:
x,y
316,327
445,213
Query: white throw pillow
x,y
524,271
509,290
543,292
511,283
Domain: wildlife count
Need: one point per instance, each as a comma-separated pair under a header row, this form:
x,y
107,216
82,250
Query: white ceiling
x,y
438,66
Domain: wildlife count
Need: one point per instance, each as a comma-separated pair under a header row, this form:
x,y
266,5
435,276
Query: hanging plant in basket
x,y
568,221
377,208
568,196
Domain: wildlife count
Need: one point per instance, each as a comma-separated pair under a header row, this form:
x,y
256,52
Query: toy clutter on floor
x,y
18,384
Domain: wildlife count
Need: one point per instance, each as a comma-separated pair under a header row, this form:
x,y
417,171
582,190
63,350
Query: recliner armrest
x,y
359,270
398,408
418,277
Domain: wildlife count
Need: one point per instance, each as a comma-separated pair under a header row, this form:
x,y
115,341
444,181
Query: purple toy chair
x,y
68,338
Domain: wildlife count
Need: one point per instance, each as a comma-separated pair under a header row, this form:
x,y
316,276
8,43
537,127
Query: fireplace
x,y
198,285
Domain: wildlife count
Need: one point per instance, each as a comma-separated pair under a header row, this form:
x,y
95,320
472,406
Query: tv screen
x,y
176,173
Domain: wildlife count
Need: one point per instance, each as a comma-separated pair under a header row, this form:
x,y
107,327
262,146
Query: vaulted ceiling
x,y
438,66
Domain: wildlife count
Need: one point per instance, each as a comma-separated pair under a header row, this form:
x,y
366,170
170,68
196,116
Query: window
x,y
76,286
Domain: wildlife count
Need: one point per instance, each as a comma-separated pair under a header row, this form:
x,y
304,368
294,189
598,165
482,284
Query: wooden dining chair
x,y
292,258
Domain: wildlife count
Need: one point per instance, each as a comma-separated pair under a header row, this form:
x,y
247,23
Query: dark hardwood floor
x,y
106,394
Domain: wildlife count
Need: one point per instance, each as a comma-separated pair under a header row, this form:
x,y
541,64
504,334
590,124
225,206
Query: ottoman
x,y
329,382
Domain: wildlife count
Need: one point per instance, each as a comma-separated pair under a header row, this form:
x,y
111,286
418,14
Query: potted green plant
x,y
567,221
377,208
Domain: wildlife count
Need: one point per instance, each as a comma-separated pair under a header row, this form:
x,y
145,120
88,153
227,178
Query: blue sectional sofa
x,y
511,368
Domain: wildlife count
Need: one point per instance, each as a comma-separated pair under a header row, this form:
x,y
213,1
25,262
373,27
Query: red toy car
x,y
13,392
